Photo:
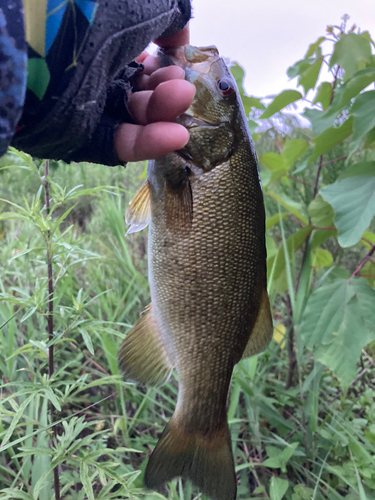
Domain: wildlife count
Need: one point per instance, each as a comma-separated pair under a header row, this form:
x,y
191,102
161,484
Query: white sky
x,y
268,36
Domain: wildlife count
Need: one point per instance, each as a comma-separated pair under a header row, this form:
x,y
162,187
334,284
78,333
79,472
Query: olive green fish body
x,y
207,274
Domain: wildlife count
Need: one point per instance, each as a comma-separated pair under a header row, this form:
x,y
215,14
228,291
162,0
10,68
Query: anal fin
x,y
262,331
142,356
139,212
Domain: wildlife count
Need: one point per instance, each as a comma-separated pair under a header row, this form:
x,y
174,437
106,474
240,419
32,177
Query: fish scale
x,y
207,275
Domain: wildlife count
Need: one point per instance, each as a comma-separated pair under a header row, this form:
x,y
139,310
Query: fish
x,y
207,274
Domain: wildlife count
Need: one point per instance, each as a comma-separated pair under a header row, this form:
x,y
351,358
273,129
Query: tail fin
x,y
206,461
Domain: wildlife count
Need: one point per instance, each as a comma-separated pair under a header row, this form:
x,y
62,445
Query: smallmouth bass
x,y
207,274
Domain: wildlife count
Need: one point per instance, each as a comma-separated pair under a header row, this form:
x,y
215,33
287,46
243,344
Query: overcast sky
x,y
267,36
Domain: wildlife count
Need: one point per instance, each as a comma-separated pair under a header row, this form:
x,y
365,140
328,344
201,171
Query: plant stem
x,y
317,177
290,345
50,320
363,261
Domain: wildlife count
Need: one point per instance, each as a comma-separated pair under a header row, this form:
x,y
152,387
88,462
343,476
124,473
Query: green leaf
x,y
338,322
320,213
353,200
289,204
274,219
87,339
349,52
320,236
278,488
320,120
370,139
273,161
370,237
271,246
294,149
85,480
299,67
288,452
239,74
321,258
351,88
330,137
252,102
324,94
360,168
293,243
313,46
252,126
272,463
281,101
363,110
368,273
310,76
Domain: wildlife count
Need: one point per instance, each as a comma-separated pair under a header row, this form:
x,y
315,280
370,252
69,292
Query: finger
x,y
169,100
163,75
137,143
142,56
137,106
180,38
151,64
146,82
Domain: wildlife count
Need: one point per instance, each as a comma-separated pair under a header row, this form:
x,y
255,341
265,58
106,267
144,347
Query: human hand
x,y
164,95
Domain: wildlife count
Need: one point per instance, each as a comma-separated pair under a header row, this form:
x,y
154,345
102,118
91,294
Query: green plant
x,y
302,414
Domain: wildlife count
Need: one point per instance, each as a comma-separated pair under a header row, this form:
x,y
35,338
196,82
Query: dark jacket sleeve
x,y
90,66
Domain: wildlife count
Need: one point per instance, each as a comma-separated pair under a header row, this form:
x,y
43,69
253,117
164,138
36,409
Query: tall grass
x,y
306,441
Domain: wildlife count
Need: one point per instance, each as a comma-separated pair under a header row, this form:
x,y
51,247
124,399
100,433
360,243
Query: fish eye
x,y
225,87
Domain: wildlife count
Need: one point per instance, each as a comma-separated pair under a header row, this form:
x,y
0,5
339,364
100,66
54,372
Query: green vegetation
x,y
302,414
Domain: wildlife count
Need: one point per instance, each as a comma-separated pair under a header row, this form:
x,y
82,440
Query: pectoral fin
x,y
261,334
179,206
143,357
139,212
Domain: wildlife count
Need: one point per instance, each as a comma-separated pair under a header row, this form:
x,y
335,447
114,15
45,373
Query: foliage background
x,y
302,414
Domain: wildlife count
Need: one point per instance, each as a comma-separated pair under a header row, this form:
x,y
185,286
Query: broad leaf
x,y
330,137
313,46
239,74
349,51
274,219
320,212
281,101
310,76
351,88
294,149
360,168
289,204
322,235
324,94
320,120
339,320
299,67
363,110
353,200
370,139
368,273
273,161
321,258
278,488
252,102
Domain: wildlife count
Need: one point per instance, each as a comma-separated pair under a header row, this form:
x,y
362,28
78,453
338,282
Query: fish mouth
x,y
190,121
